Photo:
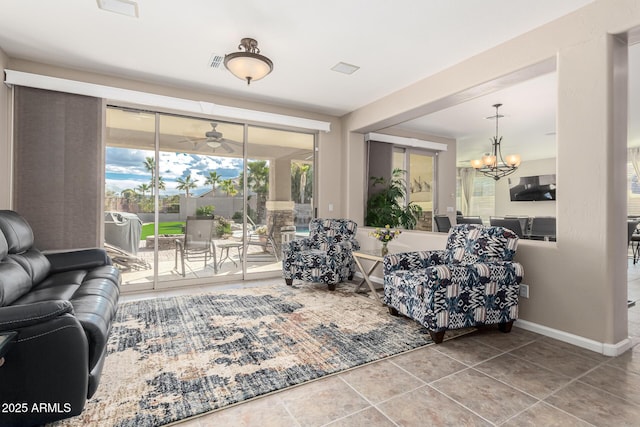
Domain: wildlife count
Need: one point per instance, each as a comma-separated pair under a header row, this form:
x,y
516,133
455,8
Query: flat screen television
x,y
533,188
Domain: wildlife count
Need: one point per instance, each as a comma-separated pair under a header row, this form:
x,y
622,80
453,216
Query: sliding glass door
x,y
420,166
279,193
191,200
130,159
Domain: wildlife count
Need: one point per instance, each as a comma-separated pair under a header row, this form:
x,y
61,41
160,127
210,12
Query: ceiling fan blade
x,y
231,141
226,146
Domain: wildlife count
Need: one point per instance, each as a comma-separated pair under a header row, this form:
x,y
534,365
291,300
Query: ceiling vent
x,y
344,68
216,61
122,7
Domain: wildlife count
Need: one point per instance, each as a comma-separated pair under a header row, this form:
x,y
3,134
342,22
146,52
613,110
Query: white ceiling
x,y
394,43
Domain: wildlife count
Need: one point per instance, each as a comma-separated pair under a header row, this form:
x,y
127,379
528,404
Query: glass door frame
x,y
407,152
244,274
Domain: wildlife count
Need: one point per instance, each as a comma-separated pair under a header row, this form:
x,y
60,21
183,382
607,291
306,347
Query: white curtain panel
x,y
467,176
634,156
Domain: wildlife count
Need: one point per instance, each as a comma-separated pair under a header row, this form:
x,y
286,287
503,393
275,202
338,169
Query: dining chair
x,y
633,239
512,224
443,223
543,227
469,220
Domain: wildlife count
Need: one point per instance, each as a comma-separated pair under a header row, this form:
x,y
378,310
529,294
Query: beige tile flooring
x,y
486,378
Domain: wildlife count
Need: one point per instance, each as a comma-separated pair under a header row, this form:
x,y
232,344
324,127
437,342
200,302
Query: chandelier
x,y
248,65
492,164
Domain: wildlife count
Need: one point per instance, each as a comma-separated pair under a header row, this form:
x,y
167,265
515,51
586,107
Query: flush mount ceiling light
x,y
123,7
248,65
492,164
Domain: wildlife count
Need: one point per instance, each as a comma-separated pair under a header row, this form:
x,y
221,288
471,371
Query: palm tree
x,y
213,179
128,195
161,184
143,188
186,184
258,181
228,186
150,166
300,181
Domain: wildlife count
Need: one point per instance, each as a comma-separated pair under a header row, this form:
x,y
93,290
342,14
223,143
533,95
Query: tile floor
x,y
486,378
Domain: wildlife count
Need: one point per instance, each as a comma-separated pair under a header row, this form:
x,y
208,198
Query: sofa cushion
x,y
4,247
34,263
472,243
17,231
14,283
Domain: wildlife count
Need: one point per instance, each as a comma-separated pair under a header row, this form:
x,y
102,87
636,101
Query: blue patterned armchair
x,y
325,256
473,282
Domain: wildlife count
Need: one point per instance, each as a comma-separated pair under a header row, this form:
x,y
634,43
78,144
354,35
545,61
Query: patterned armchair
x,y
474,281
325,256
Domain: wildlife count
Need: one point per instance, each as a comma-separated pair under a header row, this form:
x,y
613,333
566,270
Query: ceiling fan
x,y
214,139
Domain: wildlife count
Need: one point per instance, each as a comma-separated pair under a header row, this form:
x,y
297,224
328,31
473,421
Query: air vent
x,y
216,61
344,68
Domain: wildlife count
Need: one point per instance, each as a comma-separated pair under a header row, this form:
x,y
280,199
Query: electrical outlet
x,y
524,291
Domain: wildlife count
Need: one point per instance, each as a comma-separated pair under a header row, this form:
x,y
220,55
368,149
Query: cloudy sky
x,y
125,169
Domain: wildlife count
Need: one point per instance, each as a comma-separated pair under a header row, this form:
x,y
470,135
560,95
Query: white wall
x,y
577,285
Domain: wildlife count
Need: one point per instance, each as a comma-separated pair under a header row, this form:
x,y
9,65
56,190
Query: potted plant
x,y
386,206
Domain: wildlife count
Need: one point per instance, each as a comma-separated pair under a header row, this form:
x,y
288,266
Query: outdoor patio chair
x,y
265,240
325,256
473,282
197,243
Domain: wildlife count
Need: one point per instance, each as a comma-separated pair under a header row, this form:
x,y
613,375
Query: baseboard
x,y
598,347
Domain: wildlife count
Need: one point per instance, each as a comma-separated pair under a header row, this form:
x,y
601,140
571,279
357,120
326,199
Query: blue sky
x,y
125,169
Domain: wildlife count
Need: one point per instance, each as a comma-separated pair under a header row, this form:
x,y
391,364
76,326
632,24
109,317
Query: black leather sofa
x,y
56,311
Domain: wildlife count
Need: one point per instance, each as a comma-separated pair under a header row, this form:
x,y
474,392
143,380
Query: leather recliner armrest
x,y
48,363
81,259
15,317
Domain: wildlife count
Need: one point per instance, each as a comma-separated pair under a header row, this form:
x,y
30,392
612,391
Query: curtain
x,y
467,176
634,157
58,167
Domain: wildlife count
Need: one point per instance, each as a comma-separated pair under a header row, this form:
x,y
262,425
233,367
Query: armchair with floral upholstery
x,y
325,256
473,282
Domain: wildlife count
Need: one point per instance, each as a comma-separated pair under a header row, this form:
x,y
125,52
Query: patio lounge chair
x,y
124,260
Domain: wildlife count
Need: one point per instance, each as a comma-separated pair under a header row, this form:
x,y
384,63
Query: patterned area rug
x,y
172,358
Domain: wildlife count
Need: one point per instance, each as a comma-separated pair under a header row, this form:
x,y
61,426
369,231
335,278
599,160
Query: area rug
x,y
173,358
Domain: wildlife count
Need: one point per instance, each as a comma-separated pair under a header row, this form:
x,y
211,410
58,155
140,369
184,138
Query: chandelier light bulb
x,y
489,161
476,163
513,160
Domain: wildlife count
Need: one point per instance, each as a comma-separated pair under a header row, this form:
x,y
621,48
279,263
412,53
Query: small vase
x,y
385,249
